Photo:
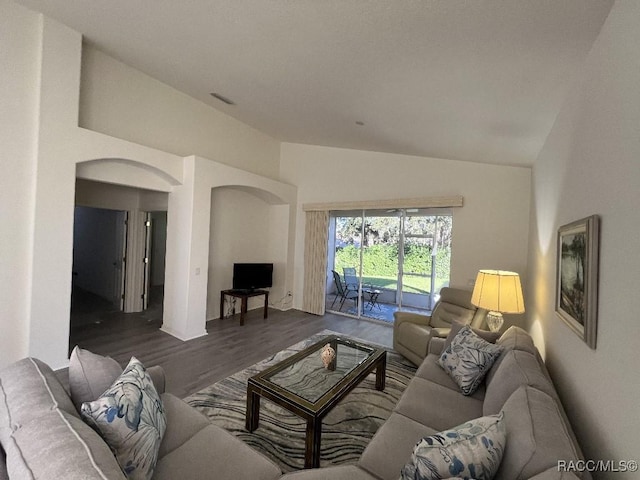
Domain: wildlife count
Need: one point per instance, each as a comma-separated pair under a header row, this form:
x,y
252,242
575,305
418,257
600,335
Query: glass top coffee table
x,y
302,385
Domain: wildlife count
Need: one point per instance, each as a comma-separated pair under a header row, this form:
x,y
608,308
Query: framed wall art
x,y
577,277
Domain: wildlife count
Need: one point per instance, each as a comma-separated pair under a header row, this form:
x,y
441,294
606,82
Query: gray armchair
x,y
412,331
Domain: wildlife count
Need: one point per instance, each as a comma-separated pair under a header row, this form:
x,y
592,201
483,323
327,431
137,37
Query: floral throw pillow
x,y
468,358
472,450
130,418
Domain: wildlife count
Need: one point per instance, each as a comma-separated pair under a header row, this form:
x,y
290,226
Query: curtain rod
x,y
423,202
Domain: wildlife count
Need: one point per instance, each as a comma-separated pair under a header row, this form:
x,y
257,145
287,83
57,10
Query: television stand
x,y
244,295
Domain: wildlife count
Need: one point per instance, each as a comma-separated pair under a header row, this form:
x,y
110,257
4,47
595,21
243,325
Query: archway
x,y
118,233
136,188
127,172
248,225
116,239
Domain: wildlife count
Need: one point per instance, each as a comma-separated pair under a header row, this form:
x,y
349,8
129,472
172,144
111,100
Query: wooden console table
x,y
244,295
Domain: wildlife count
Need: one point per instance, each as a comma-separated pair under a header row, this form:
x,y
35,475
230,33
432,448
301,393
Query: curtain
x,y
315,261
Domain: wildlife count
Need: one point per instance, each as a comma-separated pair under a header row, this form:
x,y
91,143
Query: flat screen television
x,y
249,276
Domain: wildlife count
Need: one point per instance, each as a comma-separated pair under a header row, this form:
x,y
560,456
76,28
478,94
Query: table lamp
x,y
499,292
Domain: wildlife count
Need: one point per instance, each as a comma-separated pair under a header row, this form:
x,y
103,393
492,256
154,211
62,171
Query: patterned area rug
x,y
346,430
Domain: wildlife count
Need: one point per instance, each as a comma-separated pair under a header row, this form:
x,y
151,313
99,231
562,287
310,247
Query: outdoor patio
x,y
381,310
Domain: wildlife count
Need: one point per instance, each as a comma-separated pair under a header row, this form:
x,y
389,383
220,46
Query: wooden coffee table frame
x,y
313,412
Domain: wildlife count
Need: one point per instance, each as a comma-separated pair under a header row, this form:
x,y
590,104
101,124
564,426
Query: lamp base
x,y
494,321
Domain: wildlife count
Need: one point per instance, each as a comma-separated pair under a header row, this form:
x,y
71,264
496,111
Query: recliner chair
x,y
412,331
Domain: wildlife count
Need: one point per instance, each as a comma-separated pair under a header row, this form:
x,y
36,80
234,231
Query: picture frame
x,y
577,277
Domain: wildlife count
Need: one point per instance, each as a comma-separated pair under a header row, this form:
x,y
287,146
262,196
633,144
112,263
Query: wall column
x,y
52,249
188,218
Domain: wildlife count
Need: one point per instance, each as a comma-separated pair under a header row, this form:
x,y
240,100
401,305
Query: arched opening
x,y
126,172
188,286
119,248
248,225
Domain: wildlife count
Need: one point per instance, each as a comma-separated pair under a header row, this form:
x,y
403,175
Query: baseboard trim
x,y
180,337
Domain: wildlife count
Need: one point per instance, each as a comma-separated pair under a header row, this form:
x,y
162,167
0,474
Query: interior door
x,y
120,261
147,261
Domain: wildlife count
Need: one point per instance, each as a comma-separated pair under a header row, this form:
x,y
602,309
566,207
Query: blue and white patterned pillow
x,y
130,418
472,450
468,359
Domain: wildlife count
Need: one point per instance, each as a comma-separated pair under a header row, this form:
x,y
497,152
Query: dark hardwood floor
x,y
228,347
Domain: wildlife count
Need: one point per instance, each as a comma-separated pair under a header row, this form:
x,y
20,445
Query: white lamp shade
x,y
498,291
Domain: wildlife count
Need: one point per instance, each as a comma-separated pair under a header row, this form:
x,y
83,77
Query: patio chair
x,y
343,291
412,331
371,291
351,278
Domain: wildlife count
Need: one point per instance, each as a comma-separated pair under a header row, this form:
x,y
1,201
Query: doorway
x,y
99,242
119,259
118,272
387,260
156,250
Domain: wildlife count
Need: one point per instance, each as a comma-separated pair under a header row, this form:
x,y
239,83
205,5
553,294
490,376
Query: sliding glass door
x,y
382,261
345,257
427,258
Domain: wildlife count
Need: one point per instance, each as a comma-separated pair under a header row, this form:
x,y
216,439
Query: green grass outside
x,y
411,284
381,263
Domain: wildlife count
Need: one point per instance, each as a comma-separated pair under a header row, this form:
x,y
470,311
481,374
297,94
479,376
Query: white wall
x,y
489,231
190,265
118,197
19,40
280,222
125,103
154,202
52,248
41,129
104,195
239,234
590,164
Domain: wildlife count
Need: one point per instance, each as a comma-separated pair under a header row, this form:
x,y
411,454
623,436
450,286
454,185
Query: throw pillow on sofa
x,y
471,450
468,358
490,337
90,375
130,417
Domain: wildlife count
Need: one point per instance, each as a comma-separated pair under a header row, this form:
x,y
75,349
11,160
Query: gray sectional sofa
x,y
43,436
538,432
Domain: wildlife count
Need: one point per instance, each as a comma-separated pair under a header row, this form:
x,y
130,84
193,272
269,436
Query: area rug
x,y
346,430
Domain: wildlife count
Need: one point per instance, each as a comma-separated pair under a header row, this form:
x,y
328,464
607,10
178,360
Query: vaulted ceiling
x,y
474,80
